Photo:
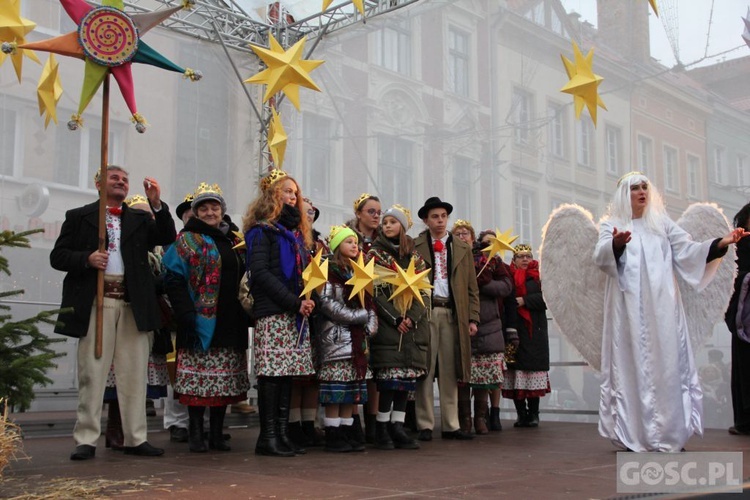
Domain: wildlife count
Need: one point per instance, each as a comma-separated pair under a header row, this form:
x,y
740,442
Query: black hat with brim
x,y
182,208
434,202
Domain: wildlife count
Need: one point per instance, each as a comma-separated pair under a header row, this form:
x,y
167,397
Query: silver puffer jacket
x,y
334,335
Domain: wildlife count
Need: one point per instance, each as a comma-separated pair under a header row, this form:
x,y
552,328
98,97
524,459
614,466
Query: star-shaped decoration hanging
x,y
49,91
315,275
654,6
583,84
13,31
276,139
746,33
409,284
109,41
362,279
360,4
286,70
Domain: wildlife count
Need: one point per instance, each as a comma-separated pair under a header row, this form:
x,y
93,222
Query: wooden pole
x,y
102,218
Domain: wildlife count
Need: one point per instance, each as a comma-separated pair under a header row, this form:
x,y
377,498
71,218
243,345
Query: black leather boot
x,y
113,434
522,412
401,439
216,429
357,435
370,428
533,412
282,423
335,441
195,429
383,439
268,409
495,424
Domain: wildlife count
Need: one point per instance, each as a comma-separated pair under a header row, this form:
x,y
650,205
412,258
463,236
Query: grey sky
x,y
690,19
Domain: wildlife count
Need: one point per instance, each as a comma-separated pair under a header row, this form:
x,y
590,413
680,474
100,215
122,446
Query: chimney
x,y
623,27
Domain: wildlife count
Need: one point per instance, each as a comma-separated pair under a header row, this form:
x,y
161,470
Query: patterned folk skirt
x,y
521,384
275,347
487,371
157,379
398,379
217,377
339,383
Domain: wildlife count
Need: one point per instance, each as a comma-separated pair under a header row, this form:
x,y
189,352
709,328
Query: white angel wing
x,y
573,285
704,309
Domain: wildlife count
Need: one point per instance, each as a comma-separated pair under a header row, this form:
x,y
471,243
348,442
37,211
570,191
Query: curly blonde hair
x,y
267,208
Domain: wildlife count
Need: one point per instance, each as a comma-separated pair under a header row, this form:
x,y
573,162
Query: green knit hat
x,y
339,234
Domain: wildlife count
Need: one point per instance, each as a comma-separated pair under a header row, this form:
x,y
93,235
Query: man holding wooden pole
x,y
129,308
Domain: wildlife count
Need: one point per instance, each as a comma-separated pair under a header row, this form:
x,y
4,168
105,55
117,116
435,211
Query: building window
x,y
462,187
393,47
693,167
521,108
93,150
671,182
316,156
394,169
717,173
556,130
67,157
645,153
458,61
7,141
78,156
742,174
524,216
585,141
613,150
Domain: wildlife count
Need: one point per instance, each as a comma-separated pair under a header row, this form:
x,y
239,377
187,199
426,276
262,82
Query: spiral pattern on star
x,y
108,36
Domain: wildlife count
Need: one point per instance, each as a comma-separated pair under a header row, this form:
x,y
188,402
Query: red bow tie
x,y
438,246
114,210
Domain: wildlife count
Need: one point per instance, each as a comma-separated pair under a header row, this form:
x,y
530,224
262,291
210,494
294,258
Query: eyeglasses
x,y
311,211
372,212
524,257
461,234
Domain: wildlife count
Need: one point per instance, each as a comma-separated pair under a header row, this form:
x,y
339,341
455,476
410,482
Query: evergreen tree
x,y
25,352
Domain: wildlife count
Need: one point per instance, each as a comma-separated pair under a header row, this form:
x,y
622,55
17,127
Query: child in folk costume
x,y
399,351
343,329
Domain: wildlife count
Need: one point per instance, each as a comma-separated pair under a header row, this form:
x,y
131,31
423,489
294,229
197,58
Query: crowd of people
x,y
480,328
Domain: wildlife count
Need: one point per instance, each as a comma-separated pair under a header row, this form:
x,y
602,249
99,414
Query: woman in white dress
x,y
651,399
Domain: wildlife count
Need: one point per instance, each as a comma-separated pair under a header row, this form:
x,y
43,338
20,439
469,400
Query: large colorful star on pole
x,y
13,30
583,84
286,70
109,41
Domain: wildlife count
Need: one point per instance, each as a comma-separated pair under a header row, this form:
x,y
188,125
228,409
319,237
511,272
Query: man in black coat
x,y
130,308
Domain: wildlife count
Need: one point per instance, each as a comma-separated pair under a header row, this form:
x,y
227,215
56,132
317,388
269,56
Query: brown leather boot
x,y
114,438
480,414
464,408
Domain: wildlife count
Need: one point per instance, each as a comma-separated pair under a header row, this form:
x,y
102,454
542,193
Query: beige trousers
x,y
443,342
127,348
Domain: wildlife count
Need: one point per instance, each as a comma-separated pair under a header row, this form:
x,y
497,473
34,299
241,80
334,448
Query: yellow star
x,y
360,4
362,279
286,70
49,91
13,29
277,139
315,275
408,285
500,243
653,6
583,84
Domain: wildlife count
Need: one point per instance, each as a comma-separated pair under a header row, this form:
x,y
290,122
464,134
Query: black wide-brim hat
x,y
434,202
181,208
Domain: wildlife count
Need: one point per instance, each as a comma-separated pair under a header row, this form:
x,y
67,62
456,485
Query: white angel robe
x,y
651,398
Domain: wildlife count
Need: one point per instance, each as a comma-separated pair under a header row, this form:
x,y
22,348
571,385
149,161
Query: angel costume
x,y
651,398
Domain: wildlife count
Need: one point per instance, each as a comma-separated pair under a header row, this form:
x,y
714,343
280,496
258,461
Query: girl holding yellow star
x,y
399,350
344,325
